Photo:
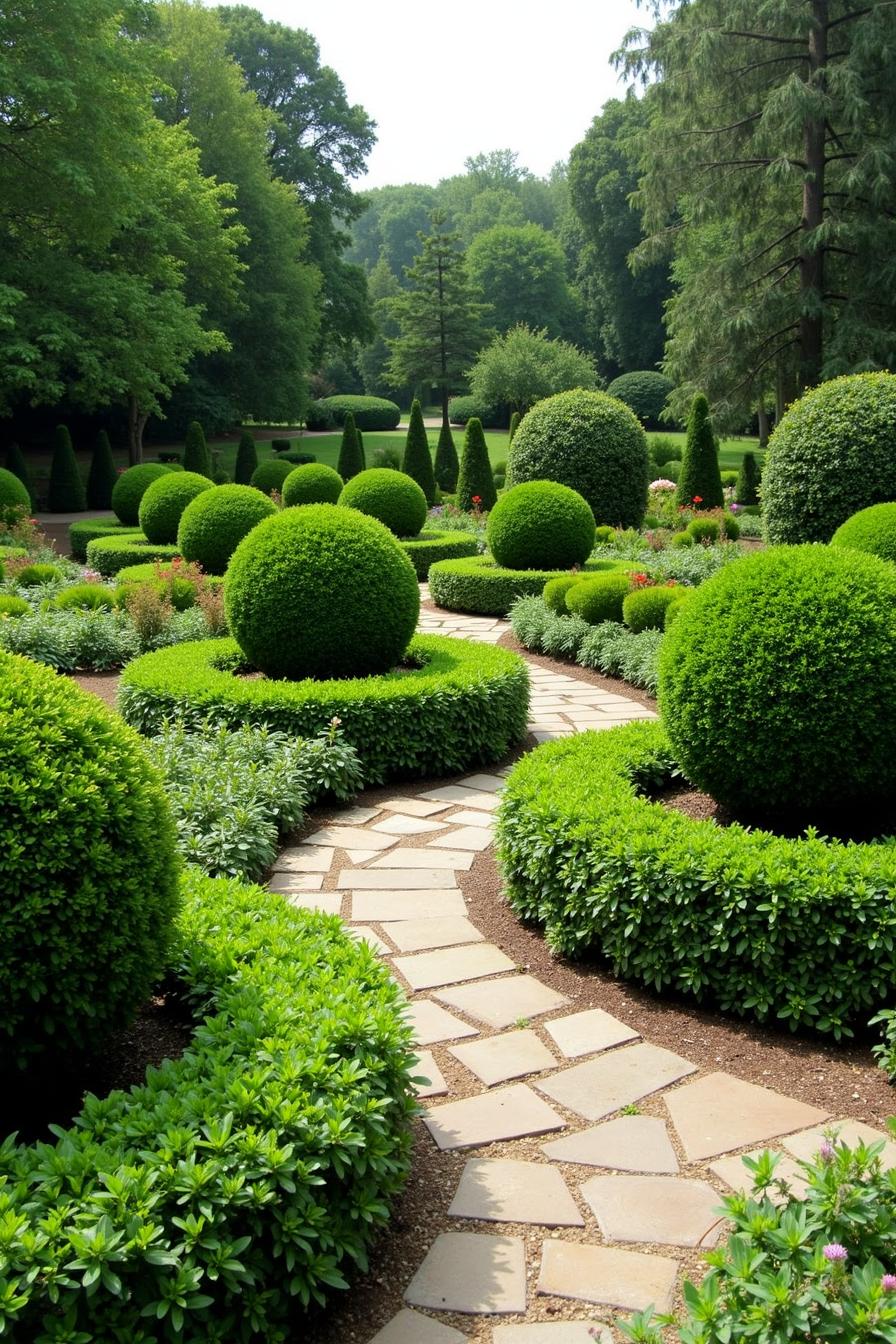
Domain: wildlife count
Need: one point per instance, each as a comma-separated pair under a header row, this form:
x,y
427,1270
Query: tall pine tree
x,y
417,461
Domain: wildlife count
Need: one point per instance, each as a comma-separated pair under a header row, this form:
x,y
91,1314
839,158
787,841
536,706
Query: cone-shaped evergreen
x,y
246,460
417,462
196,455
700,482
361,449
475,482
101,477
747,490
447,465
66,493
15,462
514,426
351,451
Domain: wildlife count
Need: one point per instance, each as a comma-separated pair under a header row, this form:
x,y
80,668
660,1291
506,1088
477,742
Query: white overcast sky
x,y
444,81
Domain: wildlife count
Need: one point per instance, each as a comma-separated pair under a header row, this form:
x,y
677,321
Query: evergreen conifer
x,y
700,481
101,477
447,465
66,492
246,460
196,455
15,462
417,462
351,450
475,484
747,489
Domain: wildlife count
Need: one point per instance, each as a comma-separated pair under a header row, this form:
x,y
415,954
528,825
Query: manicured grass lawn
x,y
325,447
731,451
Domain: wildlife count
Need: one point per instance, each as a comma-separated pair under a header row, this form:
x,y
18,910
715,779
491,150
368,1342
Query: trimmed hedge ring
x,y
425,549
107,555
79,534
481,586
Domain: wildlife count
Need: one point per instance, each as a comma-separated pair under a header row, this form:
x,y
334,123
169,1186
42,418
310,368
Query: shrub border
x,y
430,546
79,534
479,585
108,555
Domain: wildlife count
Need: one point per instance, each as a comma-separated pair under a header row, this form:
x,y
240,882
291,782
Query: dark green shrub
x,y
13,606
832,454
108,554
271,474
102,475
555,590
297,459
15,463
514,426
645,392
391,496
66,493
351,457
704,529
593,444
748,478
88,867
13,494
170,459
872,530
196,454
541,525
34,576
321,591
645,608
214,524
361,449
699,481
800,644
85,597
417,461
246,460
475,483
79,534
281,445
313,483
428,547
165,500
130,488
319,418
480,586
374,413
461,410
663,449
599,599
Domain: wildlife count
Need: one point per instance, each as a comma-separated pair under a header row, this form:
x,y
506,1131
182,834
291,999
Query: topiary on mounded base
x,y
872,530
541,525
417,461
65,493
312,483
321,591
590,442
164,502
13,494
391,496
475,483
832,454
214,524
799,643
130,488
271,475
88,868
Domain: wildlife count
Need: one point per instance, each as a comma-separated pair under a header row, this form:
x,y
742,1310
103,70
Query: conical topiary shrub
x,y
361,448
700,481
15,462
196,455
66,492
416,461
747,488
447,465
246,460
475,484
351,452
101,477
514,426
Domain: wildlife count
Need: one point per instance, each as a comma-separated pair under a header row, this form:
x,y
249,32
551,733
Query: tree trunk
x,y
136,425
762,415
811,254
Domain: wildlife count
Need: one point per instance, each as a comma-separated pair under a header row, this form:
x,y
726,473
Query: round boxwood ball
x,y
313,483
541,525
271,475
88,867
391,496
599,599
590,442
773,677
13,493
165,500
645,608
130,488
872,530
833,453
321,591
215,522
555,590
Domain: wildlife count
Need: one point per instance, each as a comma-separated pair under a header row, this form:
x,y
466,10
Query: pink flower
x,y
888,1283
834,1252
826,1151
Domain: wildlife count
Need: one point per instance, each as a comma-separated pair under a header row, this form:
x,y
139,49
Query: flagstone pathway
x,y
574,1205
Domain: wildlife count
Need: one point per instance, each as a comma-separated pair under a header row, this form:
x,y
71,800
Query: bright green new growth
x,y
33,576
213,525
130,488
700,481
102,475
391,496
541,525
312,483
164,502
417,462
475,483
66,492
872,530
447,465
514,426
13,606
271,475
246,460
15,463
13,493
196,455
555,591
646,608
747,489
351,454
599,599
85,597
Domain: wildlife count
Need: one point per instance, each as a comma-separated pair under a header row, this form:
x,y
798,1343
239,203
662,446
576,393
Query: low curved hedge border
x,y
253,1170
466,705
481,586
799,930
79,534
146,573
424,550
107,555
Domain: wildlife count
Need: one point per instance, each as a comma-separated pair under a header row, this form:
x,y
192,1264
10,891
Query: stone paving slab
x,y
449,966
719,1113
606,1084
472,818
367,935
850,1132
311,859
431,1023
732,1171
361,855
415,807
415,935
665,1210
551,1332
286,882
629,1143
398,824
426,1067
409,857
471,1272
355,816
348,837
500,1058
586,1033
325,902
454,793
396,879
384,906
506,1114
484,783
474,838
506,1191
523,996
629,1280
412,1327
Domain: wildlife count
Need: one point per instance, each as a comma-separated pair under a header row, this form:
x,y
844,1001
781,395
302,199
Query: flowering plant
x,y
662,484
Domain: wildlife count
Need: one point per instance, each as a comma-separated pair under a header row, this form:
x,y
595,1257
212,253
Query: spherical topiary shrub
x,y
13,493
130,488
88,867
541,525
593,444
215,522
645,608
391,496
271,475
321,591
833,453
555,590
645,392
313,483
773,677
164,502
599,599
872,530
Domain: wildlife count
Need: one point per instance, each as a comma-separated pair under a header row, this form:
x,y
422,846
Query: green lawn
x,y
325,447
731,451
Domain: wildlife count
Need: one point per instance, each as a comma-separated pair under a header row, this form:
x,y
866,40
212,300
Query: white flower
x,y
663,484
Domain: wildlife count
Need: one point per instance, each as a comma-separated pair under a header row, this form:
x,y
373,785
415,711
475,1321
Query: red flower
x,y
698,499
477,499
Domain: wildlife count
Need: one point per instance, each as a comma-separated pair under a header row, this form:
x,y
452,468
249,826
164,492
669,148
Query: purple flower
x,y
826,1151
834,1252
888,1283
735,508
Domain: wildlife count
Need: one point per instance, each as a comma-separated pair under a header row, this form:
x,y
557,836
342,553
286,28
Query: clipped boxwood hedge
x,y
369,412
252,1172
79,534
424,550
799,930
481,586
107,555
466,705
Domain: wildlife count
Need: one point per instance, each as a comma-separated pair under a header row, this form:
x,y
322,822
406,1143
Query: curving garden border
x,y
107,555
481,586
91,529
424,550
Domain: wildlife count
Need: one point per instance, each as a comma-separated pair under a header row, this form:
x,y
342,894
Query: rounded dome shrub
x,y
599,599
32,576
833,453
321,591
85,597
313,483
215,522
13,492
130,488
88,867
165,500
555,590
645,608
872,530
13,606
645,392
271,475
590,442
541,525
772,678
391,496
